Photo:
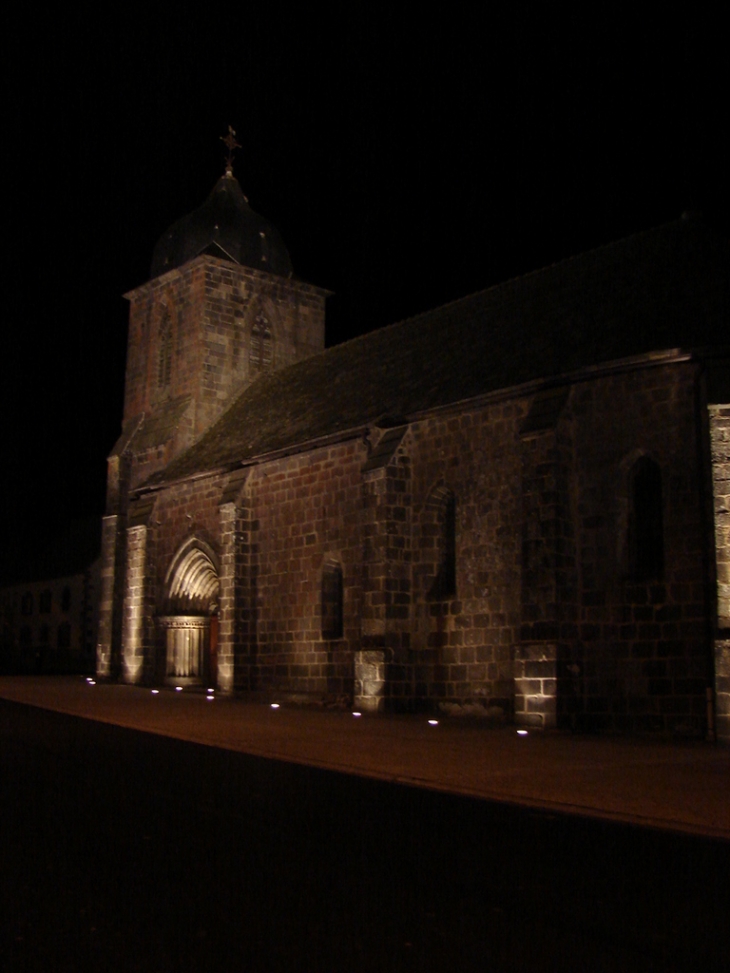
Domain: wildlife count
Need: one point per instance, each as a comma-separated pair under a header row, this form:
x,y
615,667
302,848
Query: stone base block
x,y
369,681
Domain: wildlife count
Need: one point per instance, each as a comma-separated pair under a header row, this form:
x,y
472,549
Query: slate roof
x,y
663,289
226,226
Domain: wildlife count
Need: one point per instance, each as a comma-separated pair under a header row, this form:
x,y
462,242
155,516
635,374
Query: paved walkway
x,y
676,786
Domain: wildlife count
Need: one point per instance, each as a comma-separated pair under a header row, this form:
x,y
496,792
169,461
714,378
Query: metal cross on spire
x,y
231,144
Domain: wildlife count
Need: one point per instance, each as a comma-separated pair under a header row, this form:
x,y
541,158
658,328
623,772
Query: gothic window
x,y
261,353
442,509
332,601
26,604
44,604
164,360
646,532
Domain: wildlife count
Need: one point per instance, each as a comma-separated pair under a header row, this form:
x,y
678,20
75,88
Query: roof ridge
x,y
579,311
519,278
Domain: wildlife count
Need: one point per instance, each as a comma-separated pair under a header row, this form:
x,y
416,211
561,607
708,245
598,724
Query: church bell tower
x,y
221,307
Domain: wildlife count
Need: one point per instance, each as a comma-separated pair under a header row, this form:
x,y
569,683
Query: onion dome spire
x,y
224,226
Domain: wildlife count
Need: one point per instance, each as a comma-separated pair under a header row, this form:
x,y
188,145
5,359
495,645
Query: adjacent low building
x,y
516,505
49,613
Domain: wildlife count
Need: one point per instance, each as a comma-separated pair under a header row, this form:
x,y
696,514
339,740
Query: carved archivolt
x,y
192,583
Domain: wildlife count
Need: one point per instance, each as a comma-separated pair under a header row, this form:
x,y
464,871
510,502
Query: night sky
x,y
406,161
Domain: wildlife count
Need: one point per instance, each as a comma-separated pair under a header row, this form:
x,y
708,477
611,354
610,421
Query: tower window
x,y
332,601
646,530
164,361
261,353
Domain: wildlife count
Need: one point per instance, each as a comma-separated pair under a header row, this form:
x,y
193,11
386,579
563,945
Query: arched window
x,y
266,349
442,522
646,529
164,359
332,601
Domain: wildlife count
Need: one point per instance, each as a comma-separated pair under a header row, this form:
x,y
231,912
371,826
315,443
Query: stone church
x,y
516,505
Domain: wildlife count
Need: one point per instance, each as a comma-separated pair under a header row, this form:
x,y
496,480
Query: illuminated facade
x,y
514,506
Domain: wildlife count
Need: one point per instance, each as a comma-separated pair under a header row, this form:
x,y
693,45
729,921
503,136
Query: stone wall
x,y
542,620
306,513
191,349
201,317
386,509
642,643
720,449
462,645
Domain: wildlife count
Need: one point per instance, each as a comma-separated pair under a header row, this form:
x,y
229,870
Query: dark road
x,y
129,851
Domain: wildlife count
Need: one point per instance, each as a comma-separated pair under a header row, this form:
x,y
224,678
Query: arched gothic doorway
x,y
190,619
